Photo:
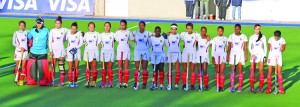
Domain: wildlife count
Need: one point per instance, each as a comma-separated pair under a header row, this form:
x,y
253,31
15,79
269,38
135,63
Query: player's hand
x,y
22,49
253,57
265,59
208,38
228,58
246,58
169,33
51,53
213,60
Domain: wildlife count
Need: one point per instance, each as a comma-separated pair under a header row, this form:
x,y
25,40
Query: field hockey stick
x,y
187,74
170,72
53,69
19,69
232,76
218,73
275,82
154,68
120,69
200,73
138,78
88,70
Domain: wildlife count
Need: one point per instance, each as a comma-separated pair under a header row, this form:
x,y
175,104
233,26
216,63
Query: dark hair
x,y
157,27
238,25
22,22
221,27
203,27
260,34
74,24
189,24
92,23
107,23
59,18
123,21
142,23
173,24
277,33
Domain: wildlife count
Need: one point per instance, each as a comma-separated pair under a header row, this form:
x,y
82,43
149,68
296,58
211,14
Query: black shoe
x,y
221,89
192,87
207,88
125,85
144,86
183,87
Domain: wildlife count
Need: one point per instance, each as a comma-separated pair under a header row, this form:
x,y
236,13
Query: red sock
x,y
280,79
269,82
120,76
252,79
161,77
199,78
22,76
70,75
169,77
145,77
232,78
155,77
136,76
222,79
241,79
193,78
177,77
52,75
87,76
184,78
261,81
110,76
205,80
103,76
95,75
62,77
76,75
126,76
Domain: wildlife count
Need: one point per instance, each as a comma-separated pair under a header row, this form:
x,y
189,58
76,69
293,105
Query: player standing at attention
x,y
203,41
174,54
75,41
107,39
91,39
258,50
141,52
276,45
189,51
57,49
219,44
123,51
19,40
237,55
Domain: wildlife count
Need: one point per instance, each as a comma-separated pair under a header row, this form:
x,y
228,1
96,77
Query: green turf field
x,y
11,95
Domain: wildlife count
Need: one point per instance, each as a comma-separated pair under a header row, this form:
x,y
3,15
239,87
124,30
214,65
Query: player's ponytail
x,y
259,34
59,18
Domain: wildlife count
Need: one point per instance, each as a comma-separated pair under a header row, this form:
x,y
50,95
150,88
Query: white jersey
x,y
173,43
276,45
237,42
123,37
91,41
74,40
203,46
219,46
57,38
20,39
189,42
142,40
259,47
107,41
158,43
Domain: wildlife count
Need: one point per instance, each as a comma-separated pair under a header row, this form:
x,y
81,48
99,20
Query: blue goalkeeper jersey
x,y
40,40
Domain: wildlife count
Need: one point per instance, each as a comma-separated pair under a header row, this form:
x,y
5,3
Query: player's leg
x,y
61,67
193,75
126,72
269,79
76,71
145,73
161,75
177,73
222,76
261,76
280,79
184,73
205,75
94,72
240,76
137,61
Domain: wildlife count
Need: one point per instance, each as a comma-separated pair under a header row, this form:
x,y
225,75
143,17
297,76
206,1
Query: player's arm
x,y
14,41
80,41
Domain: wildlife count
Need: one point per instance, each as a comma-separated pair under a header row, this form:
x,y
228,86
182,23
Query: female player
x,y
237,55
123,51
203,41
91,39
276,45
189,51
19,40
219,44
258,50
174,54
75,41
158,57
107,54
57,49
141,53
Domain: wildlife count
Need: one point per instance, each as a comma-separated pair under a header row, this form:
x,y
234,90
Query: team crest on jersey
x,y
192,37
94,36
61,33
144,36
125,35
176,37
25,34
160,40
110,38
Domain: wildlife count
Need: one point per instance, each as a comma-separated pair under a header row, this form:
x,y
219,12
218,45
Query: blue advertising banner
x,y
82,7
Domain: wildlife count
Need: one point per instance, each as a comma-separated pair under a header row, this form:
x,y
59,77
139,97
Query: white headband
x,y
173,26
